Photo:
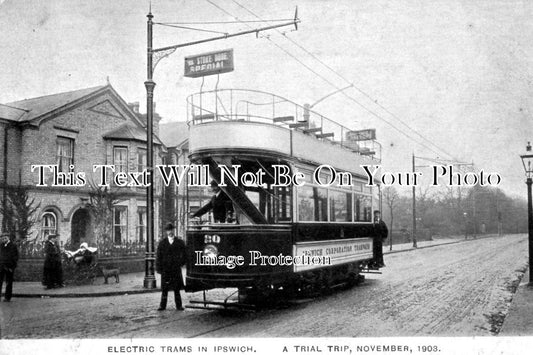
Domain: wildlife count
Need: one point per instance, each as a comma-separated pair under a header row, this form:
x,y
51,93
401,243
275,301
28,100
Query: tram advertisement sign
x,y
336,251
209,63
362,135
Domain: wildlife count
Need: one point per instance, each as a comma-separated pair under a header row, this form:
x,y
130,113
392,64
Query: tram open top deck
x,y
248,121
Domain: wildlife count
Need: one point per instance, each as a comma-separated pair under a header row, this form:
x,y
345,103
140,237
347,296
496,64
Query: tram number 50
x,y
215,238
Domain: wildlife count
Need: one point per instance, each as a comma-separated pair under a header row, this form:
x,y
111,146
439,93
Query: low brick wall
x,y
32,269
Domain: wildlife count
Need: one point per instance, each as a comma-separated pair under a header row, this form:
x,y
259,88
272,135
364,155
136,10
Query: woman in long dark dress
x,y
53,271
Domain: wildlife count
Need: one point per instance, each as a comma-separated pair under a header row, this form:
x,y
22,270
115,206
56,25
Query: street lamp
x,y
527,161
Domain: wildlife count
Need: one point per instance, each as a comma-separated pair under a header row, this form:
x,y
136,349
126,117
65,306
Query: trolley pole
x,y
149,277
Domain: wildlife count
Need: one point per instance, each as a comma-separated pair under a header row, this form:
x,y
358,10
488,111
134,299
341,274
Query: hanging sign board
x,y
362,135
209,63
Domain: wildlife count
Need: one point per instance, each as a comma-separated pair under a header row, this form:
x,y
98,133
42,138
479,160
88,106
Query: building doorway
x,y
80,229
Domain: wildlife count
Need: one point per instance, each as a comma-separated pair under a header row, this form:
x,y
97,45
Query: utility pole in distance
x,y
414,206
438,161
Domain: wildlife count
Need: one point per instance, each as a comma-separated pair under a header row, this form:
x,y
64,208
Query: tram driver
x,y
380,234
220,204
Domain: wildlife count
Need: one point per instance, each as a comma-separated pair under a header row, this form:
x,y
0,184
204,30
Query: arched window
x,y
48,224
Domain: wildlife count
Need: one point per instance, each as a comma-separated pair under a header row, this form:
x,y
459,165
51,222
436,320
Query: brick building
x,y
76,130
175,137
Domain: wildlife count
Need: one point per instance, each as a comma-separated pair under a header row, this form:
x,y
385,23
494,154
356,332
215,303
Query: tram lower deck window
x,y
363,208
312,204
340,206
316,204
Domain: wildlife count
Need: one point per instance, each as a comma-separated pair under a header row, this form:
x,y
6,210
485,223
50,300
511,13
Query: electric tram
x,y
301,213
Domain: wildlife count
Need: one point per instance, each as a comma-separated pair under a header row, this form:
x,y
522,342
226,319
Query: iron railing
x,y
34,249
259,106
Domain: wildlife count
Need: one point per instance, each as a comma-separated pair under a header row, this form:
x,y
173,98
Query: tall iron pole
x,y
149,276
414,207
530,227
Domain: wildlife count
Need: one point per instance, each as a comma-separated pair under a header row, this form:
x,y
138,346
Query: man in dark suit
x,y
9,257
171,256
53,271
220,204
380,234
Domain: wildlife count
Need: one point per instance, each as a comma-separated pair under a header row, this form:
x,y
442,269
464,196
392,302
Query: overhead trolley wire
x,y
222,22
335,86
189,28
358,89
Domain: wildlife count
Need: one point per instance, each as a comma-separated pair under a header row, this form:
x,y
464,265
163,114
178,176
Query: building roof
x,y
173,134
34,110
128,131
38,106
11,113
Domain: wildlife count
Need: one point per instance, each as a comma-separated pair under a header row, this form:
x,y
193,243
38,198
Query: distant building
x,y
175,136
78,128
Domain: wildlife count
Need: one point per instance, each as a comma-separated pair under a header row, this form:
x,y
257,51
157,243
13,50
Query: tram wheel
x,y
257,295
291,290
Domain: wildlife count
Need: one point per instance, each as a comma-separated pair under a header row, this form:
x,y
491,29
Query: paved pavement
x,y
129,284
133,283
519,320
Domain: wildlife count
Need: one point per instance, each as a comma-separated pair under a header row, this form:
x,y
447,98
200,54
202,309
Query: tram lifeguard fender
x,y
237,196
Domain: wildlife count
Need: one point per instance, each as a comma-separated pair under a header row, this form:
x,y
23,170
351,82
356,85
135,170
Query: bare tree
x,y
391,196
101,202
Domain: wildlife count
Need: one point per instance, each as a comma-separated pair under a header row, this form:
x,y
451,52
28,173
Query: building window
x,y
65,153
141,159
141,224
48,224
120,159
120,224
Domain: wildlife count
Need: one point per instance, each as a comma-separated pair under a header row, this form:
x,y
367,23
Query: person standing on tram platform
x,y
380,232
220,204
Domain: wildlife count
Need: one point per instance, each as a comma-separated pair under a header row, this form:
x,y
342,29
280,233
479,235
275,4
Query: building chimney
x,y
134,106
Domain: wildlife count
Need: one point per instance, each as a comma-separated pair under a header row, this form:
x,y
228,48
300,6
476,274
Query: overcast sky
x,y
458,73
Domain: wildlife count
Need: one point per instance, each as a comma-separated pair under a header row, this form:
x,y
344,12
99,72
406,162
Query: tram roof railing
x,y
259,106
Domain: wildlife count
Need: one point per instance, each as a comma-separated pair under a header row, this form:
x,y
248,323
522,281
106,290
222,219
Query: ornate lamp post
x,y
154,55
527,160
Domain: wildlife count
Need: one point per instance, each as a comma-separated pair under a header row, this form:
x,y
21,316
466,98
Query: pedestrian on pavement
x,y
220,204
171,256
381,232
53,270
9,257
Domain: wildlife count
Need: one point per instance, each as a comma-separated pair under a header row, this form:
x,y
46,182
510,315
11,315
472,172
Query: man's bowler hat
x,y
169,227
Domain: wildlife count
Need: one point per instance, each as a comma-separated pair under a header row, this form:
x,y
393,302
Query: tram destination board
x,y
361,135
209,63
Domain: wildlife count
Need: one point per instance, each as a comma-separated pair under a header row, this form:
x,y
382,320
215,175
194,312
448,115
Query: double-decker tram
x,y
297,212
